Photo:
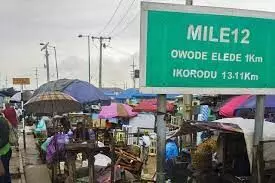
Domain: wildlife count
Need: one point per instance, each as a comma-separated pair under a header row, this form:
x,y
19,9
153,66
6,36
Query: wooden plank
x,y
71,168
91,161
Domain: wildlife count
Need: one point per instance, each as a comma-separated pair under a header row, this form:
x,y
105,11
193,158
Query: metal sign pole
x,y
161,138
23,117
258,136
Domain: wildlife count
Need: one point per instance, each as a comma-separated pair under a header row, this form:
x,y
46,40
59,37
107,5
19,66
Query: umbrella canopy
x,y
151,106
231,105
52,102
9,92
82,91
116,110
236,104
16,98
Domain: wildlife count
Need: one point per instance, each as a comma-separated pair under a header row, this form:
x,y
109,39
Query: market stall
x,y
221,157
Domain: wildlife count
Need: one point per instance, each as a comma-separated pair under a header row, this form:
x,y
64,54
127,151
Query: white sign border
x,y
145,6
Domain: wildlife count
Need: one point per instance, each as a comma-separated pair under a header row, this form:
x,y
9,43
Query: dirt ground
x,y
149,170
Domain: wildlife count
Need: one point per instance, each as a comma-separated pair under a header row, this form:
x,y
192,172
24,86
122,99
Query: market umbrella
x,y
228,108
151,106
116,110
236,104
52,102
16,98
82,91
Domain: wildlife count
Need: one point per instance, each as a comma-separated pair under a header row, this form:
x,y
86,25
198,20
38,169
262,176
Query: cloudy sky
x,y
26,23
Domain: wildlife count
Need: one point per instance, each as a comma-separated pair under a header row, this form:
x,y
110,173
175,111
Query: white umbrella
x,y
17,97
52,103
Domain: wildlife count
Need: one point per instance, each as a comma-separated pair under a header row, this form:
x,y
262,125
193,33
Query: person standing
x,y
5,149
10,114
145,143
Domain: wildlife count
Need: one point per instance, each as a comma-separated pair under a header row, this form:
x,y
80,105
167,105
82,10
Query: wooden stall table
x,y
90,149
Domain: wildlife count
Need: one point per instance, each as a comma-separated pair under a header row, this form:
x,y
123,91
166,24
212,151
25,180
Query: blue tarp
x,y
127,94
149,96
134,93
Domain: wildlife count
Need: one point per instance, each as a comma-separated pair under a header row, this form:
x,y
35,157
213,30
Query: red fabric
x,y
10,114
151,106
227,110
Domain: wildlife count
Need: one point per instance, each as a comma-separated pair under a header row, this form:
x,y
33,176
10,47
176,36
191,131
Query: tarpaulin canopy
x,y
82,91
234,105
127,94
150,96
247,127
151,106
135,93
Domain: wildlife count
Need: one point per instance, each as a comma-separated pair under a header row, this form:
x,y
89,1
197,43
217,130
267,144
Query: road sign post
x,y
206,50
161,138
22,82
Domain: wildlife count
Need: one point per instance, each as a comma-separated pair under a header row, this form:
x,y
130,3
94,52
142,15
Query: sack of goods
x,y
202,156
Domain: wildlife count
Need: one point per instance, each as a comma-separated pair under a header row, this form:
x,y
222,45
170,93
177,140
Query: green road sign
x,y
189,49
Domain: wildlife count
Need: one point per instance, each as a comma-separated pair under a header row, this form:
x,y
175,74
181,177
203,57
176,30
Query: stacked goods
x,y
202,156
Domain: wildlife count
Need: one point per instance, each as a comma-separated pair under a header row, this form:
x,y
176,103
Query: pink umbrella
x,y
116,110
229,107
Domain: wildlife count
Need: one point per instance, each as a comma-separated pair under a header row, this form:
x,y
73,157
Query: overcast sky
x,y
26,23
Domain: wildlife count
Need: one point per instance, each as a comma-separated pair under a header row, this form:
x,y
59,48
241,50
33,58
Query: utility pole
x,y
133,72
45,47
89,54
189,2
56,65
6,81
36,77
101,45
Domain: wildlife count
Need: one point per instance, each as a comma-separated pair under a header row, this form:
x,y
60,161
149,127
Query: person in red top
x,y
11,115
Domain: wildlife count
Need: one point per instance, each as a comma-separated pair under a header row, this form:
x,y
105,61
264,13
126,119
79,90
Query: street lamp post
x,y
89,54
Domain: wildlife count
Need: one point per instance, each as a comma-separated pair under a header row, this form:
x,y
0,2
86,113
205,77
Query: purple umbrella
x,y
250,103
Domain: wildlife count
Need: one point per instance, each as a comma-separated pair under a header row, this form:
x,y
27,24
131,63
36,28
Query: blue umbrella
x,y
82,91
